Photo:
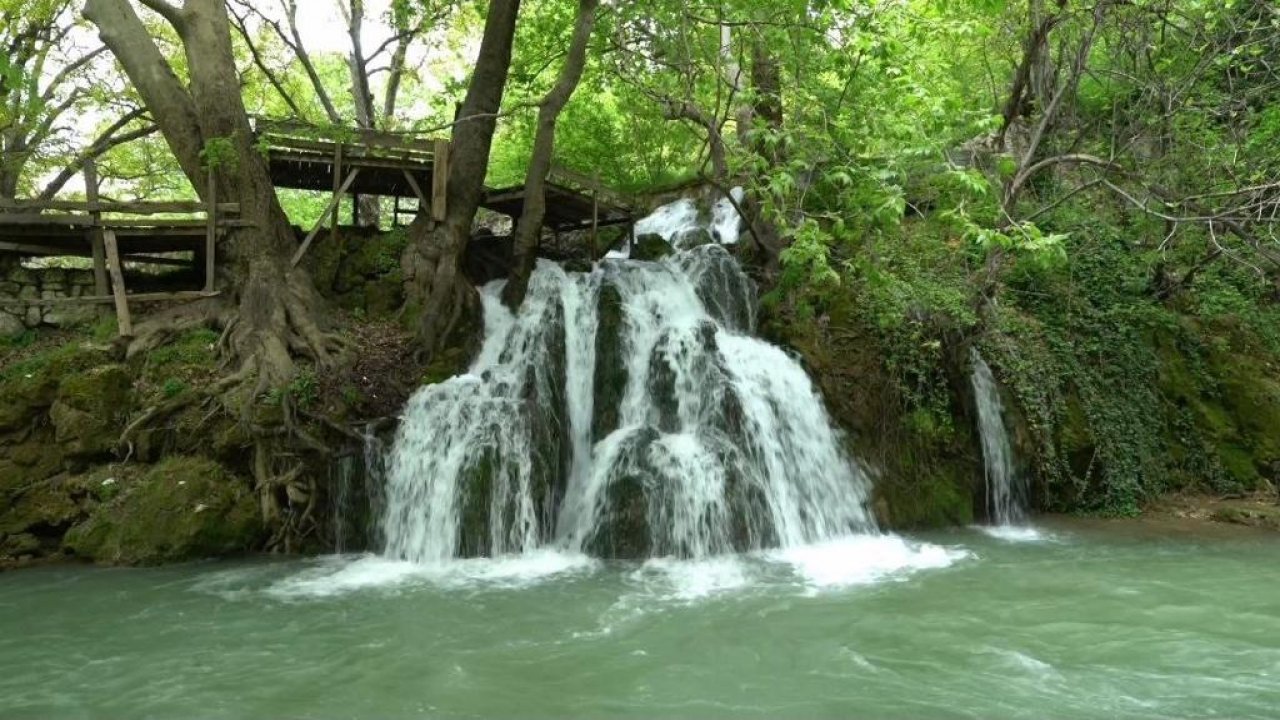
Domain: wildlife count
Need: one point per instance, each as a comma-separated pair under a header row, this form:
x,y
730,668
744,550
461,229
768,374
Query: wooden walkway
x,y
113,233
401,166
346,162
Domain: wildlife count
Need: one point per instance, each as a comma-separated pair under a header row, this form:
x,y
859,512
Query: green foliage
x,y
173,387
303,391
220,153
195,347
17,342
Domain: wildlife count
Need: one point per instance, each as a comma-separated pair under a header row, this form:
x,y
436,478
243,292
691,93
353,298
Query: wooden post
x,y
440,180
210,230
117,283
355,209
337,190
95,233
395,212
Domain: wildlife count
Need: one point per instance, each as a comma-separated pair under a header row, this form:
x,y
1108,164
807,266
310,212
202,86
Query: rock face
x,y
180,509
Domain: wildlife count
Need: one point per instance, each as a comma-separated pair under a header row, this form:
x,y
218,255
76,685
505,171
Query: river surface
x,y
1079,620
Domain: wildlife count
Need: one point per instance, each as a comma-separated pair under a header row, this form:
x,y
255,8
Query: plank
x,y
117,283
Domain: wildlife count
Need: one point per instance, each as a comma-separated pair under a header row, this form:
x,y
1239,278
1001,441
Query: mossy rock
x,y
693,237
611,365
448,363
385,295
650,246
180,509
38,458
90,410
29,386
45,508
937,496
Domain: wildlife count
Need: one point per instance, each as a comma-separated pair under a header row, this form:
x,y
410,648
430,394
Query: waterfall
x,y
1006,494
626,412
357,502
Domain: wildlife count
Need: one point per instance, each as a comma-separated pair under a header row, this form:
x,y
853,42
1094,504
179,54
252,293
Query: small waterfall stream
x,y
1006,493
626,412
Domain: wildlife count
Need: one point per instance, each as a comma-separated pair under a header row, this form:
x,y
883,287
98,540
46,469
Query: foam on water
x,y
341,575
1015,533
864,559
694,579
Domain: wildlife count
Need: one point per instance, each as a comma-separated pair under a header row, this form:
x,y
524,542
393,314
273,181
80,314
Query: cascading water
x,y
1006,494
357,498
625,412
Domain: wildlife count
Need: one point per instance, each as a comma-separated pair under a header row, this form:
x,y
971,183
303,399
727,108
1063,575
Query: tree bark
x,y
272,311
437,296
529,226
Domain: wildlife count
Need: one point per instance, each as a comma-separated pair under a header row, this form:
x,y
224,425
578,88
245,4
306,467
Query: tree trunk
x,y
529,226
370,206
272,310
437,296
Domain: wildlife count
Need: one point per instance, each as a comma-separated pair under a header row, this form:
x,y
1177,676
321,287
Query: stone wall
x,y
20,283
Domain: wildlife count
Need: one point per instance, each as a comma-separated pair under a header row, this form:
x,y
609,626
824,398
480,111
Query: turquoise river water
x,y
1079,620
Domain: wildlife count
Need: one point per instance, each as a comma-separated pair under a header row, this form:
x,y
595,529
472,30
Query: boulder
x,y
90,410
10,325
180,509
650,247
693,237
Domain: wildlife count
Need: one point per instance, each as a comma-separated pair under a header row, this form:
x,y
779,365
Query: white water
x,y
626,412
1006,494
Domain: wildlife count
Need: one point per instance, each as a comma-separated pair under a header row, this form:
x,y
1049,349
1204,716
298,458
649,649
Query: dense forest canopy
x,y
1065,179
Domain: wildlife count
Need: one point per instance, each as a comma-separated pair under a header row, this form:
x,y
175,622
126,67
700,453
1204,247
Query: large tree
x,y
439,302
49,77
269,309
528,230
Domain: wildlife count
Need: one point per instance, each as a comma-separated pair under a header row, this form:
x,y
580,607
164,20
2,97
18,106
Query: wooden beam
x,y
104,299
333,203
93,205
417,189
96,247
117,284
210,231
440,181
56,251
